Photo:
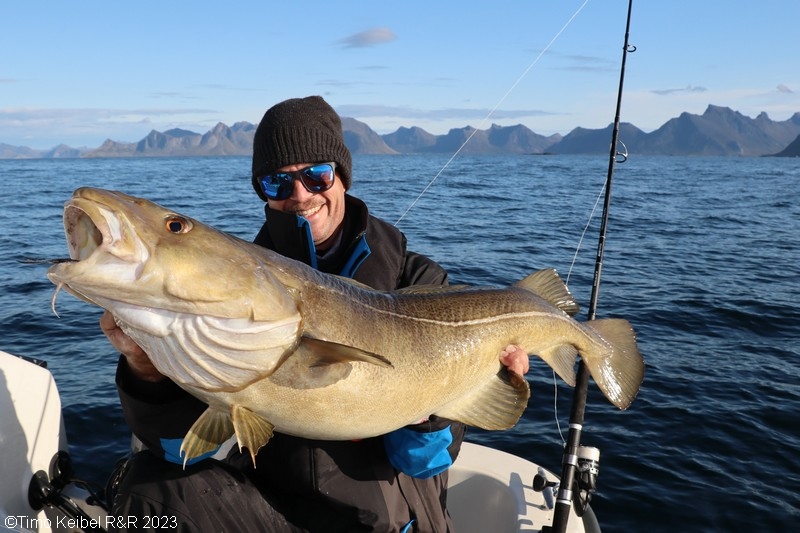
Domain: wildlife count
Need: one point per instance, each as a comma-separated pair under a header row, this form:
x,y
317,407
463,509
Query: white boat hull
x,y
491,490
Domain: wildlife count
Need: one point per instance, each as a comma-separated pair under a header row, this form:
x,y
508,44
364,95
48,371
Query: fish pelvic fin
x,y
549,285
497,405
252,431
207,434
620,373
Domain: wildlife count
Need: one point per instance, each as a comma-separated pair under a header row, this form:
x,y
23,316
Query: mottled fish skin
x,y
274,345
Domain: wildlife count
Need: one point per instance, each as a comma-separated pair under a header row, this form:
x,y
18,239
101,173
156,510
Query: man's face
x,y
323,210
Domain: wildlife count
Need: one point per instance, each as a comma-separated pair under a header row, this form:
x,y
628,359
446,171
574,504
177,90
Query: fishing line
x,y
583,234
620,157
555,409
492,111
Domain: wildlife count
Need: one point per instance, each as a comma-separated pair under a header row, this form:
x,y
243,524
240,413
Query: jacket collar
x,y
290,235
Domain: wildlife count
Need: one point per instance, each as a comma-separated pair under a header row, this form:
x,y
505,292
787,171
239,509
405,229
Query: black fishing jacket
x,y
327,485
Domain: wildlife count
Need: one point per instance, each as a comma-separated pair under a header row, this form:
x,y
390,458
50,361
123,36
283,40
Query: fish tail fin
x,y
548,285
619,374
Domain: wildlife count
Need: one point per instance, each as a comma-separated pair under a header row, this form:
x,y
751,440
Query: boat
x,y
489,490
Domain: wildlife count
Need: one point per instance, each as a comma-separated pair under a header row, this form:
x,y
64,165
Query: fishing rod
x,y
577,459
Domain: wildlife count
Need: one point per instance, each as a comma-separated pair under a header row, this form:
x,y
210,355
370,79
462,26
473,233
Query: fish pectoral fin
x,y
207,434
496,405
549,285
252,431
303,370
327,352
561,359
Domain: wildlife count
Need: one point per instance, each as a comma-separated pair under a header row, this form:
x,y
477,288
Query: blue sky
x,y
82,72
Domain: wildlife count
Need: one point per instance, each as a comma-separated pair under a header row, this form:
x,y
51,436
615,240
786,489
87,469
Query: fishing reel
x,y
587,469
586,472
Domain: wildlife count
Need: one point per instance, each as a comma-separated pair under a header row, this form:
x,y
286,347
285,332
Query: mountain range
x,y
719,131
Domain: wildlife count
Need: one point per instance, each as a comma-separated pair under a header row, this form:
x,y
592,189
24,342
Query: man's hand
x,y
138,361
515,359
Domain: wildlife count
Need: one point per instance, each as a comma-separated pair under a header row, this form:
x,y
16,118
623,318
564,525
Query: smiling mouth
x,y
305,213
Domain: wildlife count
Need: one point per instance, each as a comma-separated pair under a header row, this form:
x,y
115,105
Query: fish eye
x,y
177,225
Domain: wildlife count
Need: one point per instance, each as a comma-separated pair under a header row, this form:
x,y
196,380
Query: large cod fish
x,y
271,344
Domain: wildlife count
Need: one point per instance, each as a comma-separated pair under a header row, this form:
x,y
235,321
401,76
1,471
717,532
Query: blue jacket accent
x,y
360,252
172,452
407,527
305,229
420,455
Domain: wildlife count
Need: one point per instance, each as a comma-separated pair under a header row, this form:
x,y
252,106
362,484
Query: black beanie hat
x,y
299,130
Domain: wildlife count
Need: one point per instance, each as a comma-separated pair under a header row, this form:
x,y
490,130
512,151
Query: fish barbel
x,y
270,344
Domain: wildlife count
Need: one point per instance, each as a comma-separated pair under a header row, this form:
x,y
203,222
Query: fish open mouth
x,y
83,238
93,223
100,243
83,235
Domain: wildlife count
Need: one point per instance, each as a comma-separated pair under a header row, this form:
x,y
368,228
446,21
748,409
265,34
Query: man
x,y
396,482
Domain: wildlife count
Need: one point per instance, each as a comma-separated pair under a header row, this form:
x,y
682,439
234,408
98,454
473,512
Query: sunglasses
x,y
315,178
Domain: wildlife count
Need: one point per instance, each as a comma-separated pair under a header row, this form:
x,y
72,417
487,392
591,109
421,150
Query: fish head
x,y
134,251
173,283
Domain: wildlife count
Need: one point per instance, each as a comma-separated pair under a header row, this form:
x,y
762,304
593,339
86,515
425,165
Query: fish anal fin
x,y
497,405
549,285
561,359
326,352
252,431
208,432
620,373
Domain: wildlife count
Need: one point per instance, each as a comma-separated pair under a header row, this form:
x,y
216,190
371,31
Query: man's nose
x,y
299,192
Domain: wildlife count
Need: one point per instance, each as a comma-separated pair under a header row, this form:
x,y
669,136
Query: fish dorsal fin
x,y
207,434
252,430
549,285
496,405
413,289
354,283
431,289
326,352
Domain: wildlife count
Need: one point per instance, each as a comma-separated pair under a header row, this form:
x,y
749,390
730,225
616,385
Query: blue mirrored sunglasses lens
x,y
277,186
318,178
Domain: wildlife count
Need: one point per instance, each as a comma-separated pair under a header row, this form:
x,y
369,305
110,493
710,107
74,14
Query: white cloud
x,y
89,126
368,38
687,89
362,111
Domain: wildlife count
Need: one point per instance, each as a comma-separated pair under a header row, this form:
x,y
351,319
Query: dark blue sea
x,y
702,256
